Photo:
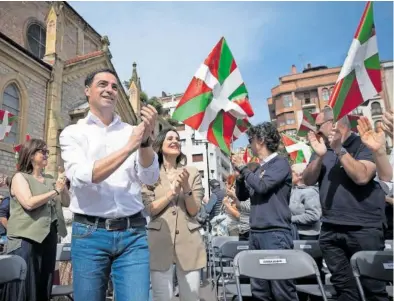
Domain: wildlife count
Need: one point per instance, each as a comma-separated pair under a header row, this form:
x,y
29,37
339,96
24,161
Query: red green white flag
x,y
248,156
306,122
360,77
299,152
353,122
241,126
216,99
6,121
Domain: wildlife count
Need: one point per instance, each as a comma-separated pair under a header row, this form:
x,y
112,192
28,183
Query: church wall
x,y
72,96
15,16
33,100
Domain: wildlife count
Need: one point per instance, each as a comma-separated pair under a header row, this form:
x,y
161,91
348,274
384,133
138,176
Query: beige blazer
x,y
173,235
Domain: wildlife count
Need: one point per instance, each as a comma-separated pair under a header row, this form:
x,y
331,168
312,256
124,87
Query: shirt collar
x,y
91,118
269,158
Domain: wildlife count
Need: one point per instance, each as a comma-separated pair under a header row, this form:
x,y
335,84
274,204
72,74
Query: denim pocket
x,y
138,230
82,230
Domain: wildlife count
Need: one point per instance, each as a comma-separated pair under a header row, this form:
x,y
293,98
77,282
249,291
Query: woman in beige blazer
x,y
173,232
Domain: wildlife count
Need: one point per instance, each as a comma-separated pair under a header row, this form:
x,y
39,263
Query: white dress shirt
x,y
120,194
269,158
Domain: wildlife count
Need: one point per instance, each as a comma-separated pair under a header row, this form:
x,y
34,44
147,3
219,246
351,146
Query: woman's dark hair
x,y
266,132
158,147
28,150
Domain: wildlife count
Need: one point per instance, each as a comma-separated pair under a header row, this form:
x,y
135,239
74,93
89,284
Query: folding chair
x,y
275,265
216,243
376,265
13,268
388,245
312,247
227,252
63,253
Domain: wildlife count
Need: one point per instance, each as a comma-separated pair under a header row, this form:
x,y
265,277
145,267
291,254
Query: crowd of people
x,y
138,208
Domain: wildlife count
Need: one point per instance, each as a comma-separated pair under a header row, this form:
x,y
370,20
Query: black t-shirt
x,y
343,201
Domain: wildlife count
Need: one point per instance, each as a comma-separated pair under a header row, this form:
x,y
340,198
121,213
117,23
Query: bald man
x,y
352,203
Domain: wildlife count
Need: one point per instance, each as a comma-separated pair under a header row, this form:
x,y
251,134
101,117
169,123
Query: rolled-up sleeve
x,y
147,175
78,167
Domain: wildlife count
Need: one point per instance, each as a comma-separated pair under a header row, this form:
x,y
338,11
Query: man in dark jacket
x,y
268,188
214,204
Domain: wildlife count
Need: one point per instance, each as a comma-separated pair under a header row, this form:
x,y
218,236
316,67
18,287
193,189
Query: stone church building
x,y
46,51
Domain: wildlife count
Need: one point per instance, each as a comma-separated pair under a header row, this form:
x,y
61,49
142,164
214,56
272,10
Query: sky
x,y
169,40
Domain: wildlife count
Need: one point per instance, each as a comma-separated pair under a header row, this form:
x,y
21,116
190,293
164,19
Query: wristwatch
x,y
146,143
342,152
241,167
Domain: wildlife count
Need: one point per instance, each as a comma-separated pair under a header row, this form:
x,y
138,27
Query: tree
x,y
143,97
154,101
173,122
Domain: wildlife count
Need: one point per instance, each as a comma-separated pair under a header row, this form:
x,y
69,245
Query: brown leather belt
x,y
112,224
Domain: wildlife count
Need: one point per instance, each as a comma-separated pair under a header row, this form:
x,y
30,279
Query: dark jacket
x,y
269,188
214,205
4,212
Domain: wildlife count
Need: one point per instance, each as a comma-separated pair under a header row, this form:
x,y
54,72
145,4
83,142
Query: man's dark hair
x,y
89,79
266,132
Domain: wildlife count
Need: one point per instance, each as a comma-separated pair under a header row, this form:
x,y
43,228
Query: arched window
x,y
36,39
331,89
325,94
11,98
376,109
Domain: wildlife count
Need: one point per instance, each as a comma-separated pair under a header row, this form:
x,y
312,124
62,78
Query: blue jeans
x,y
96,253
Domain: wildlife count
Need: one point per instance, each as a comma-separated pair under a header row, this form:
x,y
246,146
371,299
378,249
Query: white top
x,y
120,194
269,158
387,186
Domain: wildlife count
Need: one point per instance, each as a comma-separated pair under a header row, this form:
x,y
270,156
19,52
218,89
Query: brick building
x,y
46,51
311,90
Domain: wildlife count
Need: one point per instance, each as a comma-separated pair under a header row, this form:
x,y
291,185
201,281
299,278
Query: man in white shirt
x,y
106,162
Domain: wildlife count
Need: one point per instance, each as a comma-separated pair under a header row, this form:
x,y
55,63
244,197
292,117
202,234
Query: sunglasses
x,y
43,151
318,126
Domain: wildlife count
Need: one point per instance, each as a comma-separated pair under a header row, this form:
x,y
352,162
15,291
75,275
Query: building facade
x,y
311,89
46,51
209,159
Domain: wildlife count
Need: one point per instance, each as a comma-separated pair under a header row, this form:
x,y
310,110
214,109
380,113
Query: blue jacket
x,y
268,188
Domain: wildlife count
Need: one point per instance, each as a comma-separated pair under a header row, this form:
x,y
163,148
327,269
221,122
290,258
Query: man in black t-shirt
x,y
352,203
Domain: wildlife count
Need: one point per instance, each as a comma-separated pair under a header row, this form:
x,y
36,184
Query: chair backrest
x,y
388,245
231,248
63,252
309,246
218,241
12,268
275,264
373,264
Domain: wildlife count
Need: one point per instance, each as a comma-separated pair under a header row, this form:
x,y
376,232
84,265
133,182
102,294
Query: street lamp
x,y
197,142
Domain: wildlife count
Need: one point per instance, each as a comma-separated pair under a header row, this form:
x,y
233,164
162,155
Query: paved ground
x,y
206,293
